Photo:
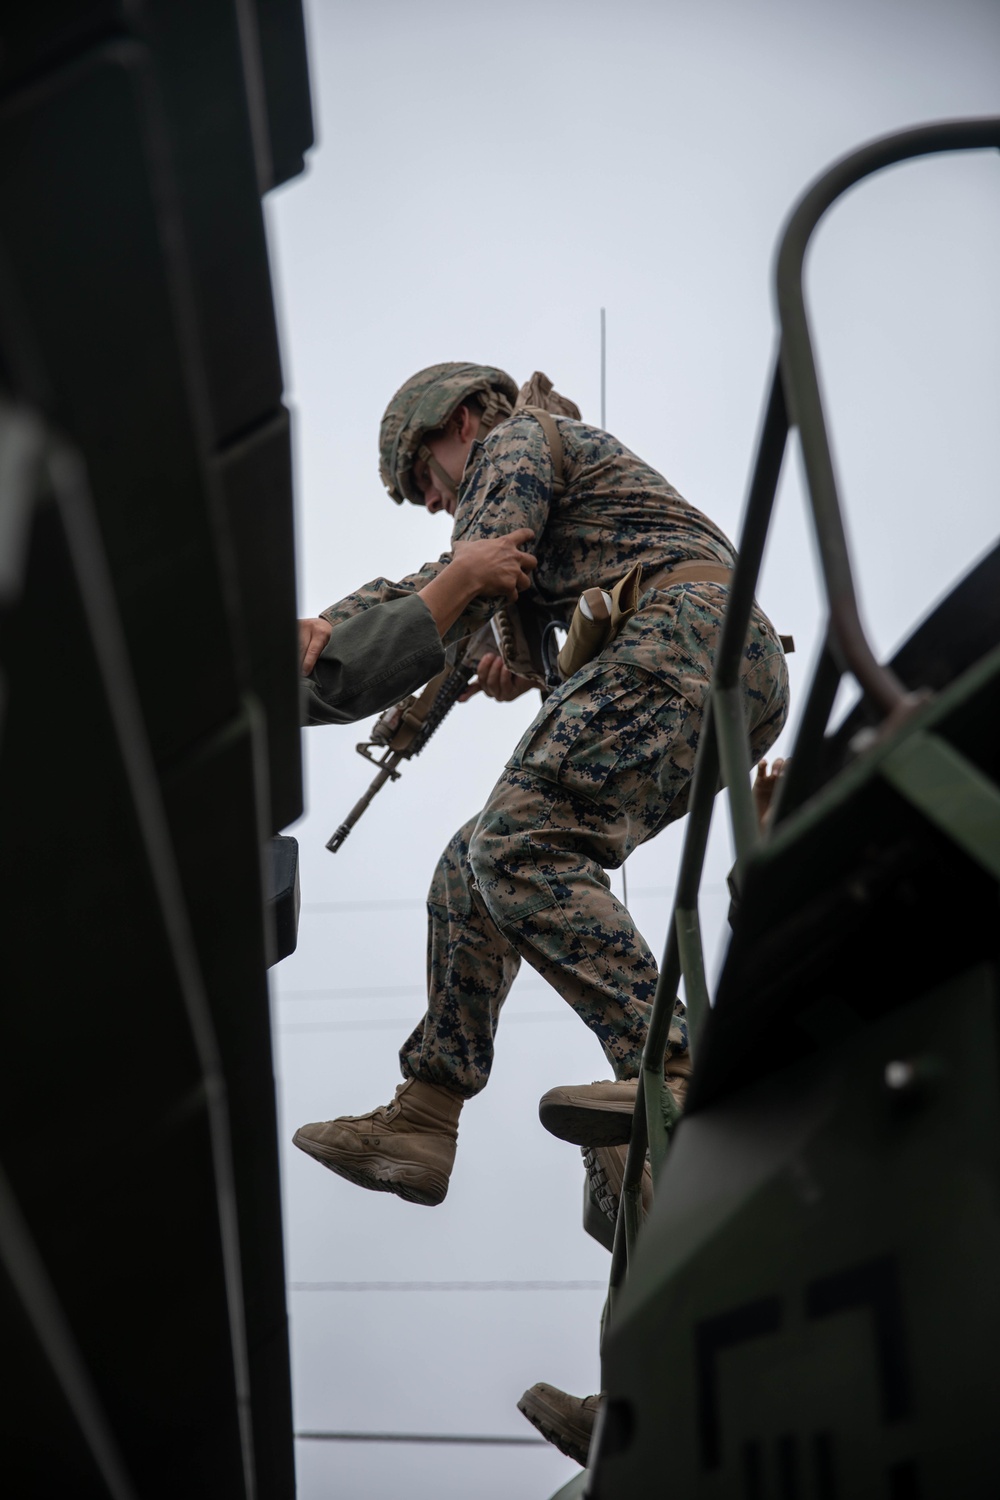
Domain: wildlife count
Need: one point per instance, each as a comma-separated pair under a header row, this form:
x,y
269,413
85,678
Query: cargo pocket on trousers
x,y
593,734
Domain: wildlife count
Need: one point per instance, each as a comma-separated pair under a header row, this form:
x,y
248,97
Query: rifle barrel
x,y
444,701
334,842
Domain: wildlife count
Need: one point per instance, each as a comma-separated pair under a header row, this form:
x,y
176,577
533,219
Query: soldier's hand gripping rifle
x,y
402,732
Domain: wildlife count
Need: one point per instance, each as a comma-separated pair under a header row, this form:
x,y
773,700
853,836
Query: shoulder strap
x,y
550,427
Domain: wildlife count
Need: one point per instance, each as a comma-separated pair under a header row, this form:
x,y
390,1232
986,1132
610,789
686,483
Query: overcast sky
x,y
486,179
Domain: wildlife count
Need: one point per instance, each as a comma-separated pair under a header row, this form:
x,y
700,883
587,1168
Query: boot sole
x,y
587,1124
605,1189
544,1420
603,1193
382,1174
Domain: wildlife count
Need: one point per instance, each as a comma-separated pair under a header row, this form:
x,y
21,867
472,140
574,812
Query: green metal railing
x,y
723,753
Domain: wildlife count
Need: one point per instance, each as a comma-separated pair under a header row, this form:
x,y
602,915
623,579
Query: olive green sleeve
x,y
371,661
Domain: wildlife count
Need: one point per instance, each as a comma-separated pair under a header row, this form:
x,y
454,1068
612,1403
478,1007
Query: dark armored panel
x,y
120,1238
282,37
134,242
814,1310
149,742
254,474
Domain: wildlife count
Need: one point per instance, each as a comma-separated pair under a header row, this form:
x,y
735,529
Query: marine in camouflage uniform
x,y
608,759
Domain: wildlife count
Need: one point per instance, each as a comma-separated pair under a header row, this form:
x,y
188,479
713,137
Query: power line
x,y
385,991
604,428
356,992
402,903
473,1439
316,908
447,1286
394,1023
299,1028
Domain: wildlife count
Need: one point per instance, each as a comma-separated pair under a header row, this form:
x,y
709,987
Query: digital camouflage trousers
x,y
605,765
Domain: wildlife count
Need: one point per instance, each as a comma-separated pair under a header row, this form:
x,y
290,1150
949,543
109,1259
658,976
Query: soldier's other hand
x,y
498,565
764,786
313,636
496,681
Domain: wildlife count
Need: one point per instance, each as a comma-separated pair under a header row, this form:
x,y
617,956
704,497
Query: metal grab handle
x,y
801,383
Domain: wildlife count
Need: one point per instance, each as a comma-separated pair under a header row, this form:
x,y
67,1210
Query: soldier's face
x,y
437,495
450,447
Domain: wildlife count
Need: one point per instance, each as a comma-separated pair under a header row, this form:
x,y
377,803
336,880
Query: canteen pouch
x,y
588,637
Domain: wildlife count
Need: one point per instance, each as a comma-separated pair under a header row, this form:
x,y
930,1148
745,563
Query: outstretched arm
x,y
370,662
491,567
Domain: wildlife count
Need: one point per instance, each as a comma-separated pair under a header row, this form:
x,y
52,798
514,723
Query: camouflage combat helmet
x,y
422,405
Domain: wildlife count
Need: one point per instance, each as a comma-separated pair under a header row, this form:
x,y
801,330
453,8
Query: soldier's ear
x,y
465,420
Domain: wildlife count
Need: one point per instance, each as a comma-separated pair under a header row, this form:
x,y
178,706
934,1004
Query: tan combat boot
x,y
605,1168
600,1114
406,1147
565,1421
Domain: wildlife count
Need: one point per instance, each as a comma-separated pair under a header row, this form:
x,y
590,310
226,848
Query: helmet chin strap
x,y
438,470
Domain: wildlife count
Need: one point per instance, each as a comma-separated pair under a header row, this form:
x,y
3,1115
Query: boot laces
x,y
384,1112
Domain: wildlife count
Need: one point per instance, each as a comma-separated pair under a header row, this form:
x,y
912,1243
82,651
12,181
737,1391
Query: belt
x,y
701,572
688,572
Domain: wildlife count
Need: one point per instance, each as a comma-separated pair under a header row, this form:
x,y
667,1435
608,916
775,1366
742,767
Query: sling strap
x,y
411,720
550,427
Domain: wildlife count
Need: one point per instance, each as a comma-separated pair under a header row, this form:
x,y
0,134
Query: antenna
x,y
604,423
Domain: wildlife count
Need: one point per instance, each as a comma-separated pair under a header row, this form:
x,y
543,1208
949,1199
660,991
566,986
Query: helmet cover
x,y
422,405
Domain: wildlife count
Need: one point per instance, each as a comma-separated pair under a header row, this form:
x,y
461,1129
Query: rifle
x,y
403,731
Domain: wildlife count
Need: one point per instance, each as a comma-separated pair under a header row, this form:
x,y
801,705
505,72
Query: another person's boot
x,y
600,1114
605,1168
565,1421
406,1147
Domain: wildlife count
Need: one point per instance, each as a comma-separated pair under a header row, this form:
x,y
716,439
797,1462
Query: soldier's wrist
x,y
464,577
447,596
